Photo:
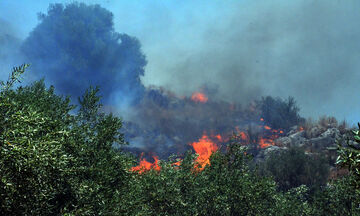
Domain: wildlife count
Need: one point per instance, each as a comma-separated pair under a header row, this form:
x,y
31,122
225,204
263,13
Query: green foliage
x,y
349,155
279,114
51,162
226,187
54,163
340,197
33,162
15,76
293,168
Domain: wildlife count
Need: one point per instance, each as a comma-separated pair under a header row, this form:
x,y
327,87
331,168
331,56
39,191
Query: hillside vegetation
x,y
54,163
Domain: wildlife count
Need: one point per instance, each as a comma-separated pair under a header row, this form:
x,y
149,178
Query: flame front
x,y
199,97
205,147
146,165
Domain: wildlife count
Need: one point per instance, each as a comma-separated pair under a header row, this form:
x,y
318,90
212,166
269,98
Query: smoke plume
x,y
75,46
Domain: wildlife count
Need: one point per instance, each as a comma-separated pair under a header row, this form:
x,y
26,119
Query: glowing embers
x,y
204,148
199,97
265,139
144,165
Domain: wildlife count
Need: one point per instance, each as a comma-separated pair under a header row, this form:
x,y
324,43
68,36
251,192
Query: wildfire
x,y
199,97
265,142
178,163
243,136
267,127
218,137
146,165
205,147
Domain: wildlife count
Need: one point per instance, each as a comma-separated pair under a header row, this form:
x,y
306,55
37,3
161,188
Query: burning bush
x,y
280,114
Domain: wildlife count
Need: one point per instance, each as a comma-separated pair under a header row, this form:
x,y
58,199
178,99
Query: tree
x,y
33,158
55,163
279,114
75,46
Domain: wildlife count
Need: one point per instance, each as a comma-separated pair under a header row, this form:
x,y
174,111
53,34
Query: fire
x,y
219,138
146,165
178,163
205,147
300,128
208,145
265,140
199,97
263,143
243,136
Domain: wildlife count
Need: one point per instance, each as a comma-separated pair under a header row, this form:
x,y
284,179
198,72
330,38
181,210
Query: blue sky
x,y
247,49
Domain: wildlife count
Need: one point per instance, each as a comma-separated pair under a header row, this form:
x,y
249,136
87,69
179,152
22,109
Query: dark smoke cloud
x,y
75,46
305,49
238,50
165,123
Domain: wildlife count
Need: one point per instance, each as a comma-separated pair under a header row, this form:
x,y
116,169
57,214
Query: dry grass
x,y
307,126
323,123
327,122
342,126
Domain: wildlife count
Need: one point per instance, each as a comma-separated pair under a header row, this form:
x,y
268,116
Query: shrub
x,y
340,197
292,168
279,114
327,122
54,163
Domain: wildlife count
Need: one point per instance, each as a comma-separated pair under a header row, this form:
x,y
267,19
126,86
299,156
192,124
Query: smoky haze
x,y
305,49
244,49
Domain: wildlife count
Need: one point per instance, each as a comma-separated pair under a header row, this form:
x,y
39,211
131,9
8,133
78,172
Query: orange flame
x,y
146,165
199,97
218,137
243,136
261,119
300,129
178,163
205,147
263,143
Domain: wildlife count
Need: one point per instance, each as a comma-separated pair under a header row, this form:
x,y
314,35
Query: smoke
x,y
234,52
75,46
304,49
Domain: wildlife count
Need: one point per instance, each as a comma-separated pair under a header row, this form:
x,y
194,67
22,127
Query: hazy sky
x,y
306,49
